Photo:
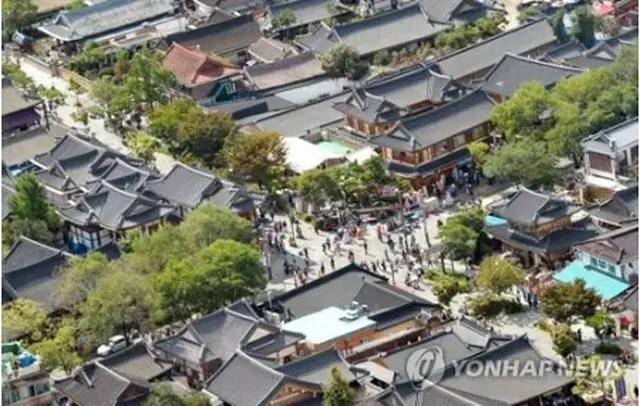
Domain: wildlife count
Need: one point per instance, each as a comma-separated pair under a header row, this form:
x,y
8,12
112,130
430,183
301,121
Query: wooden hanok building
x,y
538,228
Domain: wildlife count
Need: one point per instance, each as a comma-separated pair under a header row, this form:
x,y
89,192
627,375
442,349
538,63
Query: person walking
x,y
306,252
366,247
332,262
322,269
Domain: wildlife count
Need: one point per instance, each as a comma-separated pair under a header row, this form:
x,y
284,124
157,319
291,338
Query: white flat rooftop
x,y
327,324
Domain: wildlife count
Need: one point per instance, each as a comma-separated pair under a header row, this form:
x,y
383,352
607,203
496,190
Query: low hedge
x,y
488,306
608,349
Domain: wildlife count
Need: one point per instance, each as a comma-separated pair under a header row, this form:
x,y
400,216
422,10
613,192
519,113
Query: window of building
x,y
478,132
612,269
602,264
458,141
594,262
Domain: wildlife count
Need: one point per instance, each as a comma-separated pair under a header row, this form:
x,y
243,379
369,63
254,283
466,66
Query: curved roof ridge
x,y
21,239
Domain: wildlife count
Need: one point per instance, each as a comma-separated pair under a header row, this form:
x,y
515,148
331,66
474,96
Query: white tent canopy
x,y
303,155
362,155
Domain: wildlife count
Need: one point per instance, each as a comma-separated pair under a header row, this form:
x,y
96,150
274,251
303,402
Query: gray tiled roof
x,y
224,38
12,100
509,388
414,85
386,30
245,108
369,107
514,70
618,246
554,242
95,385
105,16
127,177
137,362
306,11
216,335
588,62
631,299
32,270
296,122
271,343
188,187
458,341
527,207
452,10
621,207
320,40
439,124
285,71
316,368
520,41
623,135
114,209
23,146
337,289
244,381
269,50
428,167
569,49
80,160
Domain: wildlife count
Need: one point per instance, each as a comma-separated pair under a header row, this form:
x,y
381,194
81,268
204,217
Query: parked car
x,y
114,344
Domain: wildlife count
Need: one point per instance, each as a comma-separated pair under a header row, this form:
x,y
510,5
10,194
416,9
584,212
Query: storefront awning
x,y
605,285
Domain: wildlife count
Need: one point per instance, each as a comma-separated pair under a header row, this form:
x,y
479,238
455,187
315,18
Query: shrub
x,y
487,306
608,349
544,325
382,58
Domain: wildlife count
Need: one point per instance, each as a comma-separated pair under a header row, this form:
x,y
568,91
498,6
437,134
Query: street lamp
x,y
424,220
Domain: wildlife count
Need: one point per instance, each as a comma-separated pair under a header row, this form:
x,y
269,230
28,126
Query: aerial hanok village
x,y
319,202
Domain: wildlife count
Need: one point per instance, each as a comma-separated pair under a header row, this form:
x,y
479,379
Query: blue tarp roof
x,y
607,286
494,221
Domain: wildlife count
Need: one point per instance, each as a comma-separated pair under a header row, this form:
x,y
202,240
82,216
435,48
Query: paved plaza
x,y
517,325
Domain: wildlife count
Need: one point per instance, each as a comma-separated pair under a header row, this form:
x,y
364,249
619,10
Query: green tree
x,y
34,229
60,351
149,253
24,317
283,18
16,14
147,80
163,395
564,139
203,134
497,275
346,61
564,342
565,301
527,13
490,25
316,186
599,322
51,95
88,59
478,151
337,391
520,116
583,25
381,58
447,286
74,5
143,146
559,29
81,277
29,202
220,273
18,77
524,162
209,223
122,300
460,232
81,116
259,157
165,120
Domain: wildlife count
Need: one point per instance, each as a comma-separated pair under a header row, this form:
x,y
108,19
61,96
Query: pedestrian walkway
x,y
96,127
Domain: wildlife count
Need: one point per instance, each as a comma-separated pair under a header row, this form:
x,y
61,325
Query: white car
x,y
114,344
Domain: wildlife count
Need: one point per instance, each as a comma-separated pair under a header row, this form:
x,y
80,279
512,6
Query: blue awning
x,y
494,221
605,285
